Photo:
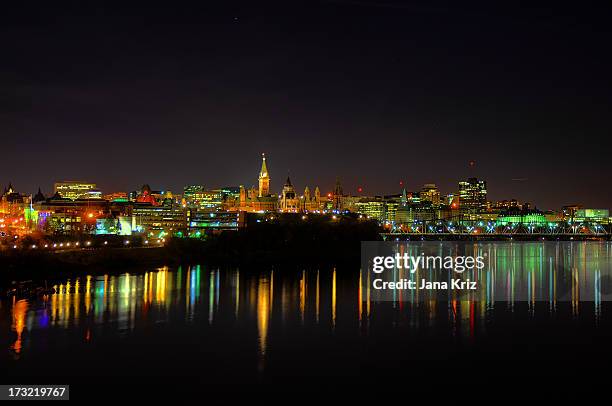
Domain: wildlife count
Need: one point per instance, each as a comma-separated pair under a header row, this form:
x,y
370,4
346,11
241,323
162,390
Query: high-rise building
x,y
472,194
373,208
429,193
76,190
195,196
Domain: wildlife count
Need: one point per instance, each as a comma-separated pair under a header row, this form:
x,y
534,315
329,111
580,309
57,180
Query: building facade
x,y
76,190
472,195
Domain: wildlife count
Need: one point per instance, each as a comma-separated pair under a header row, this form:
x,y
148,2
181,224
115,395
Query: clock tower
x,y
264,178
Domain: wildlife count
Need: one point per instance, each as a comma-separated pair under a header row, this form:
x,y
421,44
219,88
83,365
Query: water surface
x,y
207,324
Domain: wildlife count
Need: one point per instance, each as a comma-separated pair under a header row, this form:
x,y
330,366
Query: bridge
x,y
483,229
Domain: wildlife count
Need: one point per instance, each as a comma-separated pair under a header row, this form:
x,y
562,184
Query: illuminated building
x,y
506,204
12,203
192,195
289,202
257,200
373,208
472,195
349,203
403,212
60,215
197,197
201,223
159,220
264,178
391,210
311,203
116,197
77,190
521,217
429,193
569,211
337,196
600,215
146,196
16,214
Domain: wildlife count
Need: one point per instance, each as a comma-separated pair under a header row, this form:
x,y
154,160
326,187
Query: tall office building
x,y
472,194
430,193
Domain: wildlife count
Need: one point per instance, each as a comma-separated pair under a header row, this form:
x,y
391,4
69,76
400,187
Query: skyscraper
x,y
472,194
430,193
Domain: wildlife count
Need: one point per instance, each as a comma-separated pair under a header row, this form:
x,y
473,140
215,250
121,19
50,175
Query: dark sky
x,y
374,93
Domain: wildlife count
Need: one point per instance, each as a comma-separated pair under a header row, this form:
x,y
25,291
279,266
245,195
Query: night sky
x,y
172,95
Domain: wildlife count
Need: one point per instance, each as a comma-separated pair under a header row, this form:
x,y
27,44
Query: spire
x,y
264,178
264,169
338,188
39,197
404,199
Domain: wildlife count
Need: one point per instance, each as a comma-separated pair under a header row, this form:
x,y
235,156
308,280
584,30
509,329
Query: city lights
x,y
199,212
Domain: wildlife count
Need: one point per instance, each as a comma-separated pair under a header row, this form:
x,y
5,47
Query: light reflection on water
x,y
194,295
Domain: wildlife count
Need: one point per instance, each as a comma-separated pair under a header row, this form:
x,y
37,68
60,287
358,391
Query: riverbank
x,y
289,244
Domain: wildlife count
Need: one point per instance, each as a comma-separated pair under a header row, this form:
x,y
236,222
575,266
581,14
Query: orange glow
x,y
20,309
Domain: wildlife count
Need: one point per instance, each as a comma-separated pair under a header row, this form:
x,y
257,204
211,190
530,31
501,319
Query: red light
x,y
360,189
401,183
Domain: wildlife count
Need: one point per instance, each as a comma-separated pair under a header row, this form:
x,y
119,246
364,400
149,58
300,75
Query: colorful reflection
x,y
528,277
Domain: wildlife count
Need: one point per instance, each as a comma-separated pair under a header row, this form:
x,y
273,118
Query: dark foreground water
x,y
194,324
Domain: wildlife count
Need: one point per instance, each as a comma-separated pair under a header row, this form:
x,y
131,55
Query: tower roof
x,y
39,197
288,182
264,169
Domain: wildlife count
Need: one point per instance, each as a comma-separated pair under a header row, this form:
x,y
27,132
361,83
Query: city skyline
x,y
373,94
470,193
276,189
